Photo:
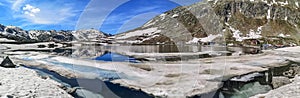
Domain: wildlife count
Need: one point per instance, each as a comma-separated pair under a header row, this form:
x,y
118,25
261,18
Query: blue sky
x,y
110,16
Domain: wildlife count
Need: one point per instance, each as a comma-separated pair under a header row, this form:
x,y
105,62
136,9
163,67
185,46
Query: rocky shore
x,y
23,82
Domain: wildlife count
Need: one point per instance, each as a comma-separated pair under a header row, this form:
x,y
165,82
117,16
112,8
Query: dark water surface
x,y
97,86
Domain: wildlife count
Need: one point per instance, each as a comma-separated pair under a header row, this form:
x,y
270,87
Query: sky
x,y
109,16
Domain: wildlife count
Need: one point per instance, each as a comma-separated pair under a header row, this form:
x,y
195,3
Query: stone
x,y
7,63
280,81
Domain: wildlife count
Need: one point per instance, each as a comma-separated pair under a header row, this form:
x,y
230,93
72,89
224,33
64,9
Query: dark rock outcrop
x,y
7,63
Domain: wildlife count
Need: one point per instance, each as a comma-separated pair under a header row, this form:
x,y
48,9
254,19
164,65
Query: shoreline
x,y
168,74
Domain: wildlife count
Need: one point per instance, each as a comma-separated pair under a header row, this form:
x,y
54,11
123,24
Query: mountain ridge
x,y
20,35
225,21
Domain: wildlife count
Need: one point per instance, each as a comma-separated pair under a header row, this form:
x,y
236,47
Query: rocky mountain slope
x,y
20,35
224,21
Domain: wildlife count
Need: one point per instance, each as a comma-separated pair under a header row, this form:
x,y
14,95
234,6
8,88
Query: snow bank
x,y
22,82
209,38
148,31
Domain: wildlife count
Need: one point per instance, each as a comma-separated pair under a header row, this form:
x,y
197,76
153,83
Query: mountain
x,y
88,35
223,21
20,35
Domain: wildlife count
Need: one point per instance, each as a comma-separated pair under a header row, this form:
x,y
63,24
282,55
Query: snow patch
x,y
283,3
269,14
149,31
175,16
162,16
236,34
252,34
285,18
23,82
209,38
265,1
193,41
246,78
282,35
149,23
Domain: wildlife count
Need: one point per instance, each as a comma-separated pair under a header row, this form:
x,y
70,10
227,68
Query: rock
x,y
280,81
287,91
42,46
7,63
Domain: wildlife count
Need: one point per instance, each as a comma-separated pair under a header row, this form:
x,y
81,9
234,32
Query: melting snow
x,y
252,34
236,34
175,15
282,35
162,16
22,82
209,38
269,14
149,31
149,23
194,40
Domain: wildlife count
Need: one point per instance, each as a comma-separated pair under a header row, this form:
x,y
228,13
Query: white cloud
x,y
43,13
50,16
30,10
17,4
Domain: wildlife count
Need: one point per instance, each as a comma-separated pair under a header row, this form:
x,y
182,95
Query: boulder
x,y
7,63
280,81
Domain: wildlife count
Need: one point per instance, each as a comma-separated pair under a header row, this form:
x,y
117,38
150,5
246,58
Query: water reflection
x,y
109,56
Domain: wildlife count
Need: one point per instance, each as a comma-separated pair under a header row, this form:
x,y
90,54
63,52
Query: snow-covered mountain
x,y
88,35
18,34
224,21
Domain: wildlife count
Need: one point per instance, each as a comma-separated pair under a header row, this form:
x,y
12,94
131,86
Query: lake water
x,y
93,88
109,56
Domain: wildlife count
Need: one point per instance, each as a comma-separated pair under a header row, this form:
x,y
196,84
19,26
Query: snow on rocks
x,y
209,38
282,35
22,82
193,41
246,78
175,16
237,34
162,16
149,31
269,14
